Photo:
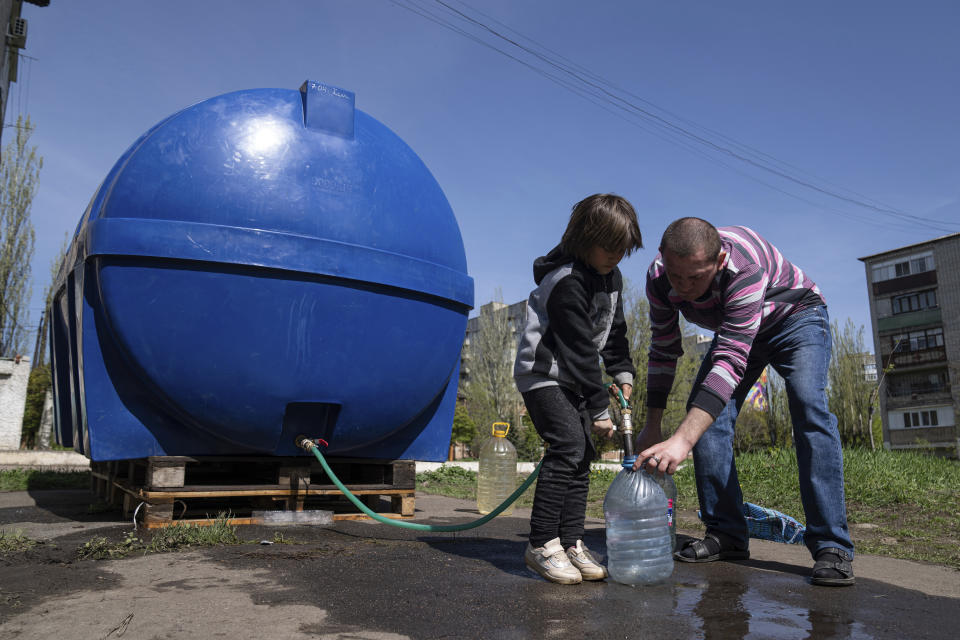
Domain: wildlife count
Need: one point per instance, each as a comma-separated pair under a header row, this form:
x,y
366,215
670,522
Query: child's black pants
x,y
560,500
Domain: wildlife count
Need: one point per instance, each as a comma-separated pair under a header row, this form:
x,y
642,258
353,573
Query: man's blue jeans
x,y
799,350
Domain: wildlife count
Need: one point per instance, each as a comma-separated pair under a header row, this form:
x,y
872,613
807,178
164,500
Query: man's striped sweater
x,y
754,290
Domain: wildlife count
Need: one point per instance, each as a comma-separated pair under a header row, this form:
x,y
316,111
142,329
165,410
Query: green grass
x,y
27,479
912,500
173,538
183,536
15,542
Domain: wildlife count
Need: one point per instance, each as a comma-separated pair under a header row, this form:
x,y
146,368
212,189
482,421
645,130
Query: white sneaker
x,y
552,563
584,561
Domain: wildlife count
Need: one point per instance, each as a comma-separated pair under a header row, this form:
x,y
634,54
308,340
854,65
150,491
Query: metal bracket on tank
x,y
327,108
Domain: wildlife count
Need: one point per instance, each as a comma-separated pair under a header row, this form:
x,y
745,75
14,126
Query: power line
x,y
685,132
654,120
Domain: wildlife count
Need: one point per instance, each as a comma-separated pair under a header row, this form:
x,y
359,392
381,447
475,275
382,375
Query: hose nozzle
x,y
626,434
626,430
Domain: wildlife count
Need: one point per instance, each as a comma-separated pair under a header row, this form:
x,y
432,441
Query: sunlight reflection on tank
x,y
264,137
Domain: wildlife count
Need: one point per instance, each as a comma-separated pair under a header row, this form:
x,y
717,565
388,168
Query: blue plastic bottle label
x,y
670,512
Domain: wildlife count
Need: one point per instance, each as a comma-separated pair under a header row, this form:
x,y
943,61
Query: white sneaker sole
x,y
537,569
594,575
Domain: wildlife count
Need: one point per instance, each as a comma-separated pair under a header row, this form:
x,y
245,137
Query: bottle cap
x,y
628,461
501,432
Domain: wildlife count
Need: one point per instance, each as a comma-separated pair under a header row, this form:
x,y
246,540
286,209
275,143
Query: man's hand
x,y
603,428
668,454
664,456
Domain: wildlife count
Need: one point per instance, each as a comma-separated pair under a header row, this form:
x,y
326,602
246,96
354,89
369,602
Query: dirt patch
x,y
907,534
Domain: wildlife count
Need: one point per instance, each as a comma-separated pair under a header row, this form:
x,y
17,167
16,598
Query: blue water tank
x,y
262,264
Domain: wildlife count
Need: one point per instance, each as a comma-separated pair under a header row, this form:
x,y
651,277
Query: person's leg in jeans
x,y
802,358
561,486
718,488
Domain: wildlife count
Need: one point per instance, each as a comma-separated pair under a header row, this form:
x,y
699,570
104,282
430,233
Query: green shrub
x,y
449,480
37,386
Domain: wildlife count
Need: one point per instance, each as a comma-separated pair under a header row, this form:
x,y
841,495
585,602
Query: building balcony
x,y
904,283
923,436
902,359
901,399
909,320
913,388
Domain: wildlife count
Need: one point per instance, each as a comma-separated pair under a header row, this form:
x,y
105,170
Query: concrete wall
x,y
14,375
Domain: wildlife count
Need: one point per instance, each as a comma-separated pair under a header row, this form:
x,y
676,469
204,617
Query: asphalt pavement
x,y
363,580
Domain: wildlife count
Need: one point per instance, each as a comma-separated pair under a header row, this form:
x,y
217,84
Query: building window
x,y
903,267
920,418
917,340
915,301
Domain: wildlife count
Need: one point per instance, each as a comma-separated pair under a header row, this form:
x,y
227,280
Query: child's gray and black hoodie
x,y
574,318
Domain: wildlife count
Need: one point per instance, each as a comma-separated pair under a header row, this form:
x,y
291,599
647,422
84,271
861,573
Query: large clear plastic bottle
x,y
497,478
665,480
638,537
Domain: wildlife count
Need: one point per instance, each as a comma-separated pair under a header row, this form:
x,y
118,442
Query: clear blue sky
x,y
862,94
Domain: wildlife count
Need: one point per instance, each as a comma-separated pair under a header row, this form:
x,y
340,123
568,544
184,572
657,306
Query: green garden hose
x,y
311,446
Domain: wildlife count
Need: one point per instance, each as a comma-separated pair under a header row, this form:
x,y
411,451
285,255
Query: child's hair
x,y
601,220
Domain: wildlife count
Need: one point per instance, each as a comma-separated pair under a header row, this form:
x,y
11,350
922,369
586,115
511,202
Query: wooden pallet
x,y
178,489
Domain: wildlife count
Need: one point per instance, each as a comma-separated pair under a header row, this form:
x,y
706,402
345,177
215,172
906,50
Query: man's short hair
x,y
602,220
686,236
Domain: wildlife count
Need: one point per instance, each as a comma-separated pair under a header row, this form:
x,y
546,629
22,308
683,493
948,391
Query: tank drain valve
x,y
306,443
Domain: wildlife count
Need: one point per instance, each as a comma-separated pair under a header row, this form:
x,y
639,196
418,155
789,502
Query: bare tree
x,y
874,399
491,363
39,352
850,393
491,393
19,171
636,312
685,374
779,422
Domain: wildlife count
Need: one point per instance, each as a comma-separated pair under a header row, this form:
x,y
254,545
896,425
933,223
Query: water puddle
x,y
731,610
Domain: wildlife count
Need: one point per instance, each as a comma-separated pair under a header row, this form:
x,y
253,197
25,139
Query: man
x,y
764,311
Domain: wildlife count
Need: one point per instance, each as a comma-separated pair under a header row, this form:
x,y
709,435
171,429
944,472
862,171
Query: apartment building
x,y
14,40
914,296
515,317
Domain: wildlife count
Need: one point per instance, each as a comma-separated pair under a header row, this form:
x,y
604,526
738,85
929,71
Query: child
x,y
574,318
